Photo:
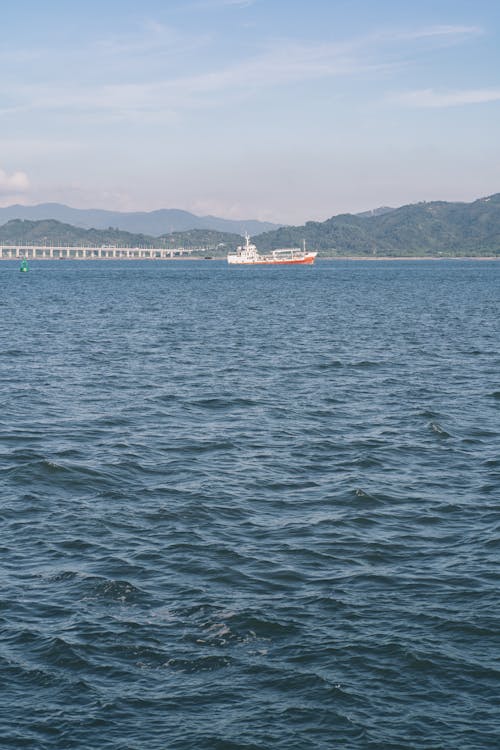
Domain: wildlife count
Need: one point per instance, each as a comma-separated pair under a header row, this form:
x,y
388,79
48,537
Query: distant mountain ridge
x,y
153,223
424,229
419,229
375,212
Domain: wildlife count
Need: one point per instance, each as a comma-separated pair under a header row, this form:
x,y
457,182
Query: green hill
x,y
49,231
422,229
211,241
53,232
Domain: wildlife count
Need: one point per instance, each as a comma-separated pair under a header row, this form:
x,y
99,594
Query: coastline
x,y
353,258
411,257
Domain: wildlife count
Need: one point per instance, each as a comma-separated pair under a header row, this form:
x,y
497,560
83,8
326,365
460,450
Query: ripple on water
x,y
245,510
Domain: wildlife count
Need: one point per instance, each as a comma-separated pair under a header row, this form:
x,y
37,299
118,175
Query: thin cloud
x,y
441,31
213,4
279,63
152,39
441,35
141,87
428,98
282,64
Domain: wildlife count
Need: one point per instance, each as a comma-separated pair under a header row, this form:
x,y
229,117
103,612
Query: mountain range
x,y
155,223
436,228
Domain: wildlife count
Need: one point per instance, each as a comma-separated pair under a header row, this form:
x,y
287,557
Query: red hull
x,y
299,262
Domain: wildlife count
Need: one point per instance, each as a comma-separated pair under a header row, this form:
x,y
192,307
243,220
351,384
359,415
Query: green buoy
x,y
24,266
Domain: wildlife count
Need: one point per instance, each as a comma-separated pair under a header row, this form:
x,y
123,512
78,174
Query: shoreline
x,y
411,257
351,258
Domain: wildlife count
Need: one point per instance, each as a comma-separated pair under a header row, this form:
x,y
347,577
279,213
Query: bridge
x,y
48,252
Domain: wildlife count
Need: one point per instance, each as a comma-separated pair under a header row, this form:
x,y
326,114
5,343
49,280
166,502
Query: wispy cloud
x,y
440,31
440,35
428,98
208,4
139,75
152,39
280,65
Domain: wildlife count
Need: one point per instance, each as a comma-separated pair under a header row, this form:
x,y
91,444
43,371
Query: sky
x,y
278,110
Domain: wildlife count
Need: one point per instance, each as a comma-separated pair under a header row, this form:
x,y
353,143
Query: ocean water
x,y
250,508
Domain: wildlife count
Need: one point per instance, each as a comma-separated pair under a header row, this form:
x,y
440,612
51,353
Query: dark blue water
x,y
250,508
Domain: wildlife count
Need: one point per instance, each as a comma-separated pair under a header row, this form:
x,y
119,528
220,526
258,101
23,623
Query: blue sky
x,y
272,109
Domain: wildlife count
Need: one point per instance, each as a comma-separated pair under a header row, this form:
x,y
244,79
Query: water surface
x,y
249,508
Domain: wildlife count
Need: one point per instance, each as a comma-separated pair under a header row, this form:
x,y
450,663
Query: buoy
x,y
24,266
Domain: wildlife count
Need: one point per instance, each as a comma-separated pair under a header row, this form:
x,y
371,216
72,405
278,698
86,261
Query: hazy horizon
x,y
276,111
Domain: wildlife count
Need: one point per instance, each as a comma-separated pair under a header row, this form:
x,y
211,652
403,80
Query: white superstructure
x,y
248,254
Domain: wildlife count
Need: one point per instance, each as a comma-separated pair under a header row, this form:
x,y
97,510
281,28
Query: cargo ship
x,y
248,255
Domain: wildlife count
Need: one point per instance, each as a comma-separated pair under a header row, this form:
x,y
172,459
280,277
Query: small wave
x,y
20,669
52,466
364,498
428,414
333,365
111,420
436,428
305,484
215,634
12,353
63,575
201,664
365,364
257,626
39,468
222,404
367,462
168,398
112,590
60,653
205,447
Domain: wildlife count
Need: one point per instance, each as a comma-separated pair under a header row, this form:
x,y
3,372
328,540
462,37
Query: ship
x,y
248,255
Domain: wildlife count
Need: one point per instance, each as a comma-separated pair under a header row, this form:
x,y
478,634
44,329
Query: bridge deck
x,y
45,252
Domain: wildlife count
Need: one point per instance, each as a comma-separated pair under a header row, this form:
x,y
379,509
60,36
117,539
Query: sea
x,y
250,508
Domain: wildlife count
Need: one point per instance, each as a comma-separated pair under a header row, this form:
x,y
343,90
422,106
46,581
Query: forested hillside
x,y
422,229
